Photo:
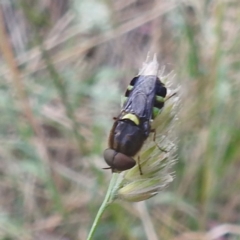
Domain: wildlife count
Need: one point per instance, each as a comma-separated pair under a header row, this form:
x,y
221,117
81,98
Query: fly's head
x,y
118,161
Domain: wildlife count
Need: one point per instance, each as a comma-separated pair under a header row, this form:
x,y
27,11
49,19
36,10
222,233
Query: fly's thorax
x,y
146,127
142,123
132,117
127,135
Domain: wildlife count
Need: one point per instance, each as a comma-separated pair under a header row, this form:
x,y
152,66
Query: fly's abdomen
x,y
160,94
145,96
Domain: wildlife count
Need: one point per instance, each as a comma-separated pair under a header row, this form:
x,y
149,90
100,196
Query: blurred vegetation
x,y
63,67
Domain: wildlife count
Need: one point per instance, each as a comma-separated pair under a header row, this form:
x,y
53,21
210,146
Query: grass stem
x,y
113,186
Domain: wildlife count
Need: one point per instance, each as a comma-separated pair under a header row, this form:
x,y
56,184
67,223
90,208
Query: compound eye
x,y
118,161
109,155
123,162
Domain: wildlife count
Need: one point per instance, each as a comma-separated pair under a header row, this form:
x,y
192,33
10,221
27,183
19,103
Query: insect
x,y
144,100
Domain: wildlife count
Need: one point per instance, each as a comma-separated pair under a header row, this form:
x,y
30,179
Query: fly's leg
x,y
167,98
154,140
139,165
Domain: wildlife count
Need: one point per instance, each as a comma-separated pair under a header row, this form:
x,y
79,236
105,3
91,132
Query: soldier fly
x,y
144,100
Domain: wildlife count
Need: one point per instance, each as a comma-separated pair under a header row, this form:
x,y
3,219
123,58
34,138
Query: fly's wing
x,y
141,97
128,91
131,86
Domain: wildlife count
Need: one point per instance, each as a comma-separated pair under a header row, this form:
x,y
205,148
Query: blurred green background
x,y
63,68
